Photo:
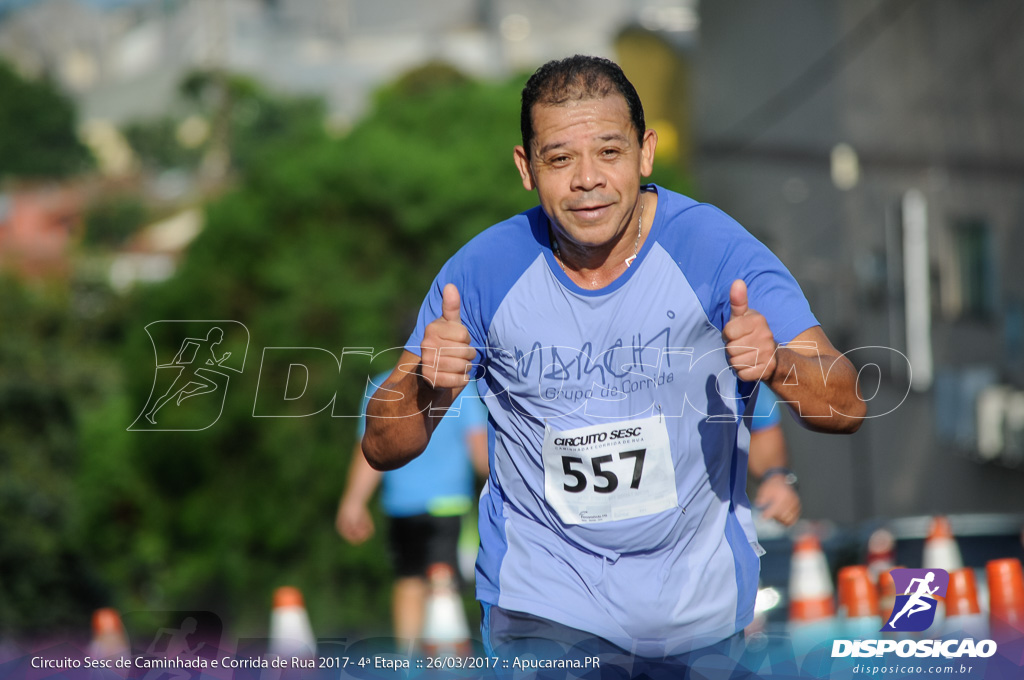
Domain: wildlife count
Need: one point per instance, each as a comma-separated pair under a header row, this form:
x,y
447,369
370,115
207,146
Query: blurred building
x,y
875,147
153,254
38,225
123,59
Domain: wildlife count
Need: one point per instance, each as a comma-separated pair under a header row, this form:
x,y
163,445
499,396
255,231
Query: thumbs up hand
x,y
445,352
749,342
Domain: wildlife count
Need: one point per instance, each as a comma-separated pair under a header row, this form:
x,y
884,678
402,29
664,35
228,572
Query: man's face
x,y
586,165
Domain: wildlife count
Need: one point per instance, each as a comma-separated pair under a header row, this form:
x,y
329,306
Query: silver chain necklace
x,y
628,260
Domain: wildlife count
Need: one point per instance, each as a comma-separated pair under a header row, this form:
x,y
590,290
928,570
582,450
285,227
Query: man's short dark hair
x,y
576,78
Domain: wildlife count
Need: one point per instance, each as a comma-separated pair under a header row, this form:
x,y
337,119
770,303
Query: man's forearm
x,y
767,451
821,388
362,479
401,416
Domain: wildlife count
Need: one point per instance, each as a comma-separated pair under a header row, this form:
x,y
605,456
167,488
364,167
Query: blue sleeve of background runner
x,y
713,250
472,411
361,428
766,414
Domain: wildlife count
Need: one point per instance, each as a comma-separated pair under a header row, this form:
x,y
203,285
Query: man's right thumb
x,y
450,302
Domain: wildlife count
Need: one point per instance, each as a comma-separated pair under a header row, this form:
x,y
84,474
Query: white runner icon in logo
x,y
917,601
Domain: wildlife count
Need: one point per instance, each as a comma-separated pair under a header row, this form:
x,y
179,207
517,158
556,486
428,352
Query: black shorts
x,y
418,541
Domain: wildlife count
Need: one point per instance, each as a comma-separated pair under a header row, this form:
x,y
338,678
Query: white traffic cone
x,y
108,638
445,631
881,553
810,586
941,552
290,631
940,548
811,607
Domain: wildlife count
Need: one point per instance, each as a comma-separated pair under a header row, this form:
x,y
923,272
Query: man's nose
x,y
588,175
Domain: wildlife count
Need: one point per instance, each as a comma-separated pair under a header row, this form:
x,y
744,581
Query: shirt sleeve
x,y
377,380
766,413
430,309
361,429
472,410
713,250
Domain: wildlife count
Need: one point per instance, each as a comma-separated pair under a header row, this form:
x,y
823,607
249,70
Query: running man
x,y
195,382
172,644
615,332
915,603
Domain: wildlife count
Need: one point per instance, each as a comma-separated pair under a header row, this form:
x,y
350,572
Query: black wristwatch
x,y
788,476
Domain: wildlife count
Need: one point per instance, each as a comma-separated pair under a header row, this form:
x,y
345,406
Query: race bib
x,y
608,472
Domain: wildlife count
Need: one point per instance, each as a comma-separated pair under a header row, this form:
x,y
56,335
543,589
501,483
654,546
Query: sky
x,y
7,6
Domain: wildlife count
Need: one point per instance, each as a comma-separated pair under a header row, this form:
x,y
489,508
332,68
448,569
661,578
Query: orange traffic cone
x,y
1006,599
445,631
962,611
940,548
108,638
858,602
290,631
811,607
886,594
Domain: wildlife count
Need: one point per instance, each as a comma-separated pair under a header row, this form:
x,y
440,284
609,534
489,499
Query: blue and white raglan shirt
x,y
616,500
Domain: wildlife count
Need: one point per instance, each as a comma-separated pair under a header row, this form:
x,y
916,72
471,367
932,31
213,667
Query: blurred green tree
x,y
46,587
225,113
157,145
325,243
37,129
110,220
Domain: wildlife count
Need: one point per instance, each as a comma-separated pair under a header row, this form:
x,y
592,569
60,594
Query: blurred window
x,y
975,295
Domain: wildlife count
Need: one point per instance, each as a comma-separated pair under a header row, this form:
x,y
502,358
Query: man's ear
x,y
523,165
647,148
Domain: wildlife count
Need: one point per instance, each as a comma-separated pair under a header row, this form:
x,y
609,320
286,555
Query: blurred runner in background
x,y
424,502
776,497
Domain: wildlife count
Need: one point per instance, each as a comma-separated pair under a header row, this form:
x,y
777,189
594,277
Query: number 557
x,y
611,480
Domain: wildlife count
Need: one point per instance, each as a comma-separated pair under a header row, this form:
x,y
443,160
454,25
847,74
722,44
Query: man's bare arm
x,y
402,415
353,519
476,443
822,383
775,497
809,371
404,412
